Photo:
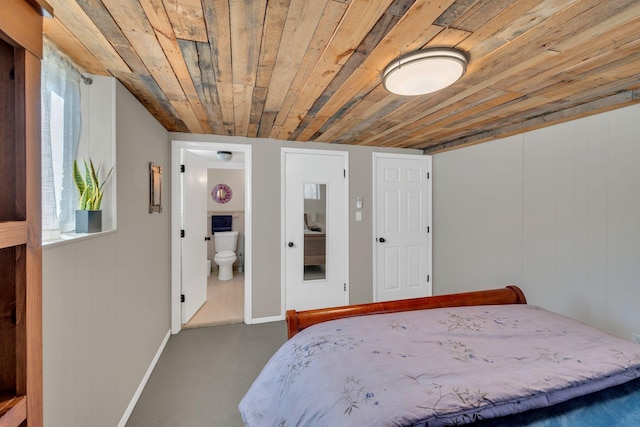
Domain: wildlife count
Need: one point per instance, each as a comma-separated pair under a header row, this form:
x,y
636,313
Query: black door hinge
x,y
182,168
12,74
428,229
181,233
428,278
345,287
344,173
182,298
428,175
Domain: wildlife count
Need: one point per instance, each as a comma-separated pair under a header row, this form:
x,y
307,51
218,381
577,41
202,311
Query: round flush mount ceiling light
x,y
224,155
424,71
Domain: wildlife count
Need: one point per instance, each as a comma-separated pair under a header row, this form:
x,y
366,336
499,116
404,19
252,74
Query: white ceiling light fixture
x,y
424,71
224,155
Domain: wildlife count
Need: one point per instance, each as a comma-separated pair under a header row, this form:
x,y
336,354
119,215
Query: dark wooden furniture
x,y
20,213
299,320
315,248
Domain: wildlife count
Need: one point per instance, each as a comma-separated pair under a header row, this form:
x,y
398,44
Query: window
x,y
311,191
61,128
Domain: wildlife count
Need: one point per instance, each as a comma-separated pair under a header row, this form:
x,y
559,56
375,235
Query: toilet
x,y
225,244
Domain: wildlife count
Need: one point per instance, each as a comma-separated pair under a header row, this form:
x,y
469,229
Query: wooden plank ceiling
x,y
310,70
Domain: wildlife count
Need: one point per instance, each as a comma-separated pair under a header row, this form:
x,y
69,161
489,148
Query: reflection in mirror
x,y
315,240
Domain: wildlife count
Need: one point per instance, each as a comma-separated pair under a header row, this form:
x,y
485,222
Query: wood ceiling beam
x,y
309,25
510,59
358,20
381,28
164,32
275,18
217,20
137,35
186,18
71,15
311,70
247,19
601,105
589,86
56,32
400,39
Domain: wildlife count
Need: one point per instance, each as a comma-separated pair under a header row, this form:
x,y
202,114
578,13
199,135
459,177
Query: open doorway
x,y
224,241
226,236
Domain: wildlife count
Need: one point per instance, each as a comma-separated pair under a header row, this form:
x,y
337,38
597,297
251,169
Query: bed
x,y
485,357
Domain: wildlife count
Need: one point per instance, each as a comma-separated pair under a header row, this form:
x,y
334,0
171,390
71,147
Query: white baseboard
x,y
136,395
266,319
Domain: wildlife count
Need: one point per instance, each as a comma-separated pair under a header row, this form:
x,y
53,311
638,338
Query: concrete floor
x,y
203,374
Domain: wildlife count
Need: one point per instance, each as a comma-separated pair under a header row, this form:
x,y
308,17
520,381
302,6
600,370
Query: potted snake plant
x,y
91,189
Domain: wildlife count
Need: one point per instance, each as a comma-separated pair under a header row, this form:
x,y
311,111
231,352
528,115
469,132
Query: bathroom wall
x,y
234,178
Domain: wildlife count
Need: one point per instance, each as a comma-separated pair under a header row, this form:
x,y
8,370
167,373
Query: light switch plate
x,y
359,202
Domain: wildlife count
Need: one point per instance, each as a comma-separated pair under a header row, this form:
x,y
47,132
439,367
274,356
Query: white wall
x,y
556,211
106,298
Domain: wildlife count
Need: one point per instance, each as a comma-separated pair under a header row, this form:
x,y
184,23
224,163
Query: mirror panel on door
x,y
315,232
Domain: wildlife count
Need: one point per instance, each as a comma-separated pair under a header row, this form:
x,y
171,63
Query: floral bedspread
x,y
444,366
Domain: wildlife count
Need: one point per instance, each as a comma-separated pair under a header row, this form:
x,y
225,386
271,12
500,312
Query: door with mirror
x,y
315,230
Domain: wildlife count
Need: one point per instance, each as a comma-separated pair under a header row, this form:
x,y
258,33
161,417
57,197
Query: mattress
x,y
445,366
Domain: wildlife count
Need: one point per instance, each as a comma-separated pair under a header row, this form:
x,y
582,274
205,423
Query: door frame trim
x,y
283,237
176,197
374,214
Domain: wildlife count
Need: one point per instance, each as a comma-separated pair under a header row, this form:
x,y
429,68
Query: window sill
x,y
68,238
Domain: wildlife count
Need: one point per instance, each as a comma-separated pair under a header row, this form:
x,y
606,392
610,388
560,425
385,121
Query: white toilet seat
x,y
225,260
224,256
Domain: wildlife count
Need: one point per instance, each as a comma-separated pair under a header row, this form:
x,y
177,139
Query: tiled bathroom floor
x,y
225,302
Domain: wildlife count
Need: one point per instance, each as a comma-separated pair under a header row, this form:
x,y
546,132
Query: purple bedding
x,y
443,366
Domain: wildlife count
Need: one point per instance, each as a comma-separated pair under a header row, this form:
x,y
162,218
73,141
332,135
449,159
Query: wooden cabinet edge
x,y
21,27
17,412
21,21
13,233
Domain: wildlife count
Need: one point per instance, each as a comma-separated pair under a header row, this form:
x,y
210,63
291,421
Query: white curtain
x,y
311,191
61,127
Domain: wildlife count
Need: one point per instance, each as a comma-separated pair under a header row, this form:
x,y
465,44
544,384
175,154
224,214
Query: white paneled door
x,y
194,224
402,226
315,228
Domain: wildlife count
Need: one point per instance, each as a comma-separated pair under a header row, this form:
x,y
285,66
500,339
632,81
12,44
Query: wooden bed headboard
x,y
299,320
